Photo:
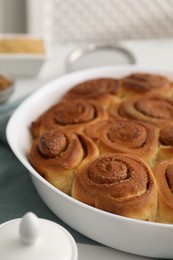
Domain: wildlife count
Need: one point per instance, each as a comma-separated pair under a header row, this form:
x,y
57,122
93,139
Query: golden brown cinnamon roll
x,y
74,115
5,82
119,183
101,89
166,143
56,154
142,83
126,136
164,176
156,110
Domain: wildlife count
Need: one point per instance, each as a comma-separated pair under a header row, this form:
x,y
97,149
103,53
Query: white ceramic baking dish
x,y
130,235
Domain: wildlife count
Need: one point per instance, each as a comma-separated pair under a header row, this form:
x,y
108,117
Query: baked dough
x,y
119,135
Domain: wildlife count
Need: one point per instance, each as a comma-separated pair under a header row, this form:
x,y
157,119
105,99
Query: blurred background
x,y
88,20
140,26
143,29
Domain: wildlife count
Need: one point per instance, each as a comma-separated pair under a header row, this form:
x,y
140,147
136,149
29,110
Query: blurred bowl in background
x,y
6,88
22,55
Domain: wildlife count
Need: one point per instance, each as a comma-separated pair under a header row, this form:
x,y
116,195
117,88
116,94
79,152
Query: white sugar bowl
x,y
38,239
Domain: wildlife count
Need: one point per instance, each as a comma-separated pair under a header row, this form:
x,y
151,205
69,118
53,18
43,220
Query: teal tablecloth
x,y
18,194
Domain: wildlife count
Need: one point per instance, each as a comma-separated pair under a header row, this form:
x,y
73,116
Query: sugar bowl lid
x,y
33,238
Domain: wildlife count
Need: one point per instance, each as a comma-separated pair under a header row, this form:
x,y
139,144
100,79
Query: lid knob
x,y
33,238
29,228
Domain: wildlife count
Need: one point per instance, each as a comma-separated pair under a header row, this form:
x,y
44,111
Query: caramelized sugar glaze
x,y
109,143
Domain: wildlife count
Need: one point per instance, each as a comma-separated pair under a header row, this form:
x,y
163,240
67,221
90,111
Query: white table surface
x,y
149,53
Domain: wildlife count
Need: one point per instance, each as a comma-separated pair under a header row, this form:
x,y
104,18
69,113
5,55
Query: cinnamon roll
x,y
56,154
164,176
102,90
118,183
142,83
74,115
156,110
166,143
103,140
126,136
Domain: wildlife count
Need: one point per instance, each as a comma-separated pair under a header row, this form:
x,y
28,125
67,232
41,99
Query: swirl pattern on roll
x,y
163,173
119,183
101,89
157,110
56,154
142,83
74,115
127,136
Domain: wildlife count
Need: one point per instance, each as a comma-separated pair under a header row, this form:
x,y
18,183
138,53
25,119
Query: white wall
x,y
34,9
